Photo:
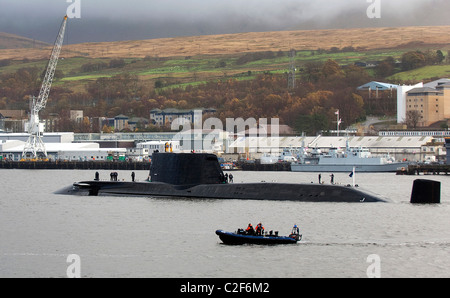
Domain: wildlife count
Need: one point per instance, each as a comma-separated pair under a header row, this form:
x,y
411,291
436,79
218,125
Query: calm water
x,y
155,237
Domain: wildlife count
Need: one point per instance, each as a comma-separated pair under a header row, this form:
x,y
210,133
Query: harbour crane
x,y
34,144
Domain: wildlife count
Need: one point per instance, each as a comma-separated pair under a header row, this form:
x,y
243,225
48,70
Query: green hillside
x,y
423,73
240,84
192,70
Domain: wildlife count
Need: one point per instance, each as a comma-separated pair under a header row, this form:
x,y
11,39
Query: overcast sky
x,y
111,20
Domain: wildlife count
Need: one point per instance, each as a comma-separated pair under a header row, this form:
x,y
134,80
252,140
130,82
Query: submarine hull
x,y
198,175
248,191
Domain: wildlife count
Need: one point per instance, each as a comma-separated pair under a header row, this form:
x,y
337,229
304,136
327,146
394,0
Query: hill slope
x,y
367,38
11,41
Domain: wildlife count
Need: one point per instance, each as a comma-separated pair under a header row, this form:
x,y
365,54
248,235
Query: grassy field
x,y
229,44
183,61
423,73
180,72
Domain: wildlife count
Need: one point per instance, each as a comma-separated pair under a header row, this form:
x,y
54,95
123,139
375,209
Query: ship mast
x,y
34,144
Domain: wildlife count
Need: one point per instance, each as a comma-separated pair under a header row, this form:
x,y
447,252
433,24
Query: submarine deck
x,y
249,191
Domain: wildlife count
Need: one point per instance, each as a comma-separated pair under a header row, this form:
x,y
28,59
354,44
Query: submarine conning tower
x,y
426,192
186,168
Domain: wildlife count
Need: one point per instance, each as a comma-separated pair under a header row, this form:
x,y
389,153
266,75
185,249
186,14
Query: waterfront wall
x,y
447,145
75,165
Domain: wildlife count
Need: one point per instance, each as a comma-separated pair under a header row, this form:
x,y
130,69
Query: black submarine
x,y
199,175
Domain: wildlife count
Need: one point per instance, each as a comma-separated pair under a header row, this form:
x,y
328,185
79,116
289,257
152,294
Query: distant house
x,y
13,120
447,145
2,122
121,122
104,121
368,64
371,64
137,122
270,130
165,117
377,86
14,114
436,83
76,115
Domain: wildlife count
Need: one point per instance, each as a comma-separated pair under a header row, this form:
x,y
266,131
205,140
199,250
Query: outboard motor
x,y
426,192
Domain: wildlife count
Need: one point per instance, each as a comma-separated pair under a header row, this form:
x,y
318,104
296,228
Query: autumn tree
x,y
312,71
271,105
412,118
386,68
331,69
412,60
312,124
439,56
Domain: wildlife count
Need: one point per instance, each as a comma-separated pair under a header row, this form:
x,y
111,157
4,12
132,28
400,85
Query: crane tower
x,y
34,144
291,75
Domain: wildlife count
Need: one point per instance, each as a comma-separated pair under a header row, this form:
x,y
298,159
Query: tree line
x,y
409,61
320,90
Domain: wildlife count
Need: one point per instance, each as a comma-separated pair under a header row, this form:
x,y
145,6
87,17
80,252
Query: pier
x,y
75,165
425,169
422,169
256,166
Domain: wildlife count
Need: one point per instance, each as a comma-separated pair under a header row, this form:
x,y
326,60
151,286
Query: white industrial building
x,y
145,150
401,100
160,146
49,137
412,148
59,146
402,91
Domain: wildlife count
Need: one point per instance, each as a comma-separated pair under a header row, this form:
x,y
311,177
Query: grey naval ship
x,y
351,159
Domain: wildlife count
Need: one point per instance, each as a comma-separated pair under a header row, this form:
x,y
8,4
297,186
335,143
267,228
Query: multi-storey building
x,y
429,104
165,117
